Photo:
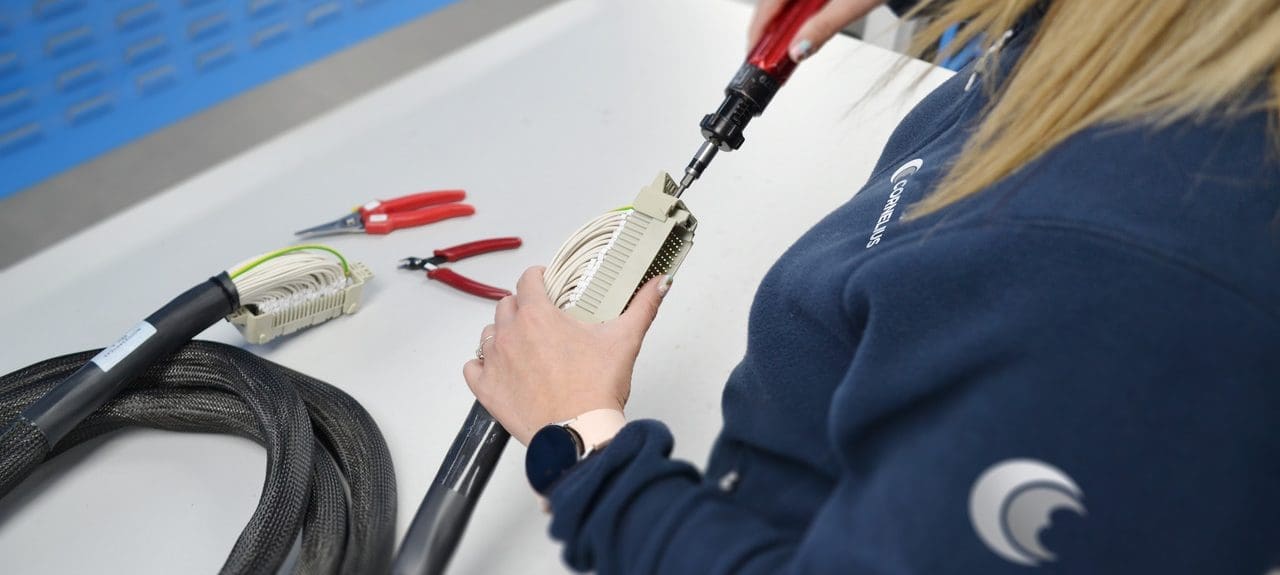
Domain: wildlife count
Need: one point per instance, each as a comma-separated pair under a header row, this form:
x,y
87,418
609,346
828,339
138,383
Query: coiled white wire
x,y
579,257
290,277
287,280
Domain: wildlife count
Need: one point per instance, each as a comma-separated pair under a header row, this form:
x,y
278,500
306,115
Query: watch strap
x,y
595,428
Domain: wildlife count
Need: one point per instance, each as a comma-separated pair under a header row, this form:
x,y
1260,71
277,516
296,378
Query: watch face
x,y
552,451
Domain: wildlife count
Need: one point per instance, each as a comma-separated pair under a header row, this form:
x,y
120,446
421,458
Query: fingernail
x,y
664,286
800,50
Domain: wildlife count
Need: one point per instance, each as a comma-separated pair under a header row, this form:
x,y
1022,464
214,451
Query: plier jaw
x,y
459,252
430,263
351,223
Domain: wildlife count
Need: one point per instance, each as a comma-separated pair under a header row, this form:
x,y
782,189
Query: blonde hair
x,y
1095,62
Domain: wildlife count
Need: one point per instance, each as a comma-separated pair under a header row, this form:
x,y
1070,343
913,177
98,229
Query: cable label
x,y
109,357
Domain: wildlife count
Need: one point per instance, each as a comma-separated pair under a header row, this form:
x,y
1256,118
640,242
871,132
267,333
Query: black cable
x,y
97,381
443,515
329,473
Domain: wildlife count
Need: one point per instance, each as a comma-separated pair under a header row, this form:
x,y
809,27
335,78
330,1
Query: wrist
x,y
558,447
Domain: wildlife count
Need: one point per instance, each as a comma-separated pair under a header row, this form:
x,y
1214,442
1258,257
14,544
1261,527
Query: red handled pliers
x,y
383,216
458,252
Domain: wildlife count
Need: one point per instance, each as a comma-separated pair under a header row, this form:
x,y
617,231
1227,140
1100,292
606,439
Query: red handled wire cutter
x,y
383,216
459,252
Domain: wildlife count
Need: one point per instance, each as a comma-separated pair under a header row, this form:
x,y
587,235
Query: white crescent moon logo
x,y
906,170
1011,503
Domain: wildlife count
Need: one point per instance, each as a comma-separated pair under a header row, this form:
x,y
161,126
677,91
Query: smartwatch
x,y
556,448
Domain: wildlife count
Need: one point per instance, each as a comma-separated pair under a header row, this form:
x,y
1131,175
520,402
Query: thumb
x,y
830,20
644,306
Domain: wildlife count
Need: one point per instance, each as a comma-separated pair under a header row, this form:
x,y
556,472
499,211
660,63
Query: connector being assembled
x,y
593,277
630,248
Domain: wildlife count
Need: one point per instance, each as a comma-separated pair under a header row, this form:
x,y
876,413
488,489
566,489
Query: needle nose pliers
x,y
383,216
459,252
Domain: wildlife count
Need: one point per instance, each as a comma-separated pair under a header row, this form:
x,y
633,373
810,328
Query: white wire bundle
x,y
577,260
288,280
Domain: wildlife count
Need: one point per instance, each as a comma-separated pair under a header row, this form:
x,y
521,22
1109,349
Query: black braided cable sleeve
x,y
329,472
22,448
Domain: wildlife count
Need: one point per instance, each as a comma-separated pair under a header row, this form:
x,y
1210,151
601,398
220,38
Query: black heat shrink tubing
x,y
442,517
57,412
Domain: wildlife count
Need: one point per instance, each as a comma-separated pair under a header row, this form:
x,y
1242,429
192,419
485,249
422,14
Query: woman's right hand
x,y
830,20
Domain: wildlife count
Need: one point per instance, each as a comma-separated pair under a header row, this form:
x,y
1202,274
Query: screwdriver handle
x,y
766,69
770,54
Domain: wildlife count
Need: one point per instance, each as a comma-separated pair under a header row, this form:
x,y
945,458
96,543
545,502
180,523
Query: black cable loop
x,y
329,472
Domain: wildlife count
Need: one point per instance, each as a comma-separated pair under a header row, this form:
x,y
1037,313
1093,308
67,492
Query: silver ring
x,y
480,348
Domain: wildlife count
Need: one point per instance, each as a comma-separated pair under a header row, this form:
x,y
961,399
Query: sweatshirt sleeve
x,y
631,509
1138,382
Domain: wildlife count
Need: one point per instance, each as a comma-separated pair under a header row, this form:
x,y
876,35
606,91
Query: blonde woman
x,y
1045,333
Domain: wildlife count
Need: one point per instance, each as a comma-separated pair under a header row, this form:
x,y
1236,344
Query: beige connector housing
x,y
261,328
654,241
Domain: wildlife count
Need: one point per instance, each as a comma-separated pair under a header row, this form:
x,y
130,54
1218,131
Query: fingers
x,y
485,349
531,290
471,372
831,19
644,306
506,310
765,11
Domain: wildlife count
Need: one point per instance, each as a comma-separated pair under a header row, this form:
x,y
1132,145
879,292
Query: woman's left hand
x,y
542,366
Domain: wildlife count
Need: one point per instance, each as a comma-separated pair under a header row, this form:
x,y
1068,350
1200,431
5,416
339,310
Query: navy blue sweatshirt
x,y
1076,370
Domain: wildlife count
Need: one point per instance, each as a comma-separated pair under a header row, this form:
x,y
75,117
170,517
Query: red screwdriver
x,y
767,68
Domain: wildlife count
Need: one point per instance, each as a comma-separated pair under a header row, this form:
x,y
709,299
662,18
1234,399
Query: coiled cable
x,y
289,277
329,475
329,472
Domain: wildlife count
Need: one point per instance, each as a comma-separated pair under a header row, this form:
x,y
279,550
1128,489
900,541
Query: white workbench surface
x,y
545,123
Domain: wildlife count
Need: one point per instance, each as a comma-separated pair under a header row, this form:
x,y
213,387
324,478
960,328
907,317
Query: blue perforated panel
x,y
80,77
